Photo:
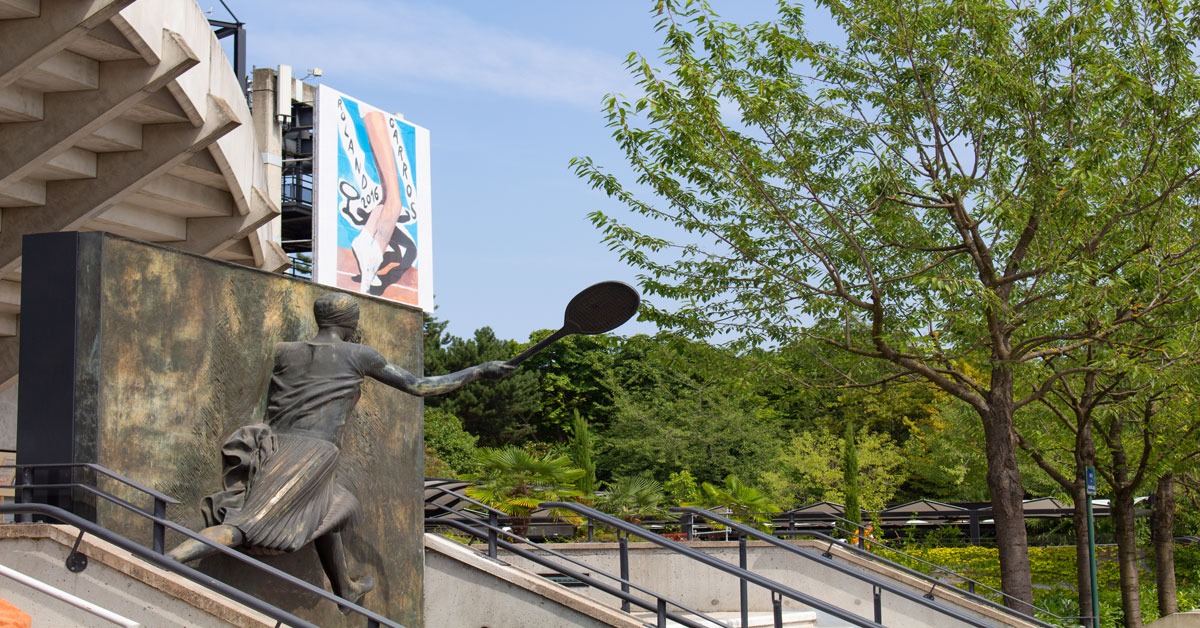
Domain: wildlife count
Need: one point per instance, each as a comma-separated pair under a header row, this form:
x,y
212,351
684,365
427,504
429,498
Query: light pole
x,y
1091,521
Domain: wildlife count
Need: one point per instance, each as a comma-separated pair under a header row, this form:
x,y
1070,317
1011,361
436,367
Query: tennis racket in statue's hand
x,y
598,308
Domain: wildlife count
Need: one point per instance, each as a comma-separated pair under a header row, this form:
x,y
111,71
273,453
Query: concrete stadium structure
x,y
123,116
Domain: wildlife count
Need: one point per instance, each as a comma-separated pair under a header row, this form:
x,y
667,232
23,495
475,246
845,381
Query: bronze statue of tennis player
x,y
281,489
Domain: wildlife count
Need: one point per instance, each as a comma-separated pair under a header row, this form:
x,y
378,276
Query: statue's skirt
x,y
281,489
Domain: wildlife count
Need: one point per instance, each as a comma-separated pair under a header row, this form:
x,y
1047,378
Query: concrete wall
x,y
1178,620
706,589
161,355
465,590
8,417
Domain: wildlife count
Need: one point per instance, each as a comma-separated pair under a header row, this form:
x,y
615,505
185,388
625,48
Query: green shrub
x,y
1053,571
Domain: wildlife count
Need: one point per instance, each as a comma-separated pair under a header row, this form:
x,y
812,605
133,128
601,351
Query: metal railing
x,y
826,559
862,543
71,600
777,589
25,489
688,526
88,527
491,531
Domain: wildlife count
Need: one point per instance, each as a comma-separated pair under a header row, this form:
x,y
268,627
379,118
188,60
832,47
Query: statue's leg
x,y
191,549
333,560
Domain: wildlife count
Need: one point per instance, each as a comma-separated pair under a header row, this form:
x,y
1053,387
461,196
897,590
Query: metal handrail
x,y
160,561
494,516
749,576
492,537
489,510
970,594
101,470
74,601
658,607
863,541
828,562
161,523
161,501
861,551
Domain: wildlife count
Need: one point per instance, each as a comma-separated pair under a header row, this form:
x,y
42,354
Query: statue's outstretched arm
x,y
401,379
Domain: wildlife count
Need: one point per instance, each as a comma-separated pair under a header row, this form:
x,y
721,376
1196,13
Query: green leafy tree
x,y
707,439
944,459
515,481
449,449
685,405
950,175
499,413
681,488
813,385
581,447
1121,405
1141,439
815,466
850,476
575,375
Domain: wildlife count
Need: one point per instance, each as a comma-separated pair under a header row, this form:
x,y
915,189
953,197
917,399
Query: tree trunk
x,y
1164,545
1127,559
1004,484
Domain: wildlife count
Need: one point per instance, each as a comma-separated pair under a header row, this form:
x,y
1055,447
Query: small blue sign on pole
x,y
1091,480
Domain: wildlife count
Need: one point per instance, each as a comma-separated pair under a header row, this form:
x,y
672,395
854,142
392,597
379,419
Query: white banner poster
x,y
371,215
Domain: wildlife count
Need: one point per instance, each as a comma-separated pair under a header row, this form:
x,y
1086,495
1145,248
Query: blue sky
x,y
510,91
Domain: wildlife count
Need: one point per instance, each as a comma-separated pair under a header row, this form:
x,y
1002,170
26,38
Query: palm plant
x,y
633,498
515,481
741,501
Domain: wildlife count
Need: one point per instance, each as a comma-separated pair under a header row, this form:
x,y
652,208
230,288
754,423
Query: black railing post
x,y
25,495
591,530
688,528
743,589
662,613
777,608
493,523
623,542
160,532
878,604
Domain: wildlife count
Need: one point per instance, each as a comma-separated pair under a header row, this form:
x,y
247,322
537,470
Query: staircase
x,y
113,588
67,572
80,574
756,580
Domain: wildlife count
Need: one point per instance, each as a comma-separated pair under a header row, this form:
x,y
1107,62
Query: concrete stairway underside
x,y
123,116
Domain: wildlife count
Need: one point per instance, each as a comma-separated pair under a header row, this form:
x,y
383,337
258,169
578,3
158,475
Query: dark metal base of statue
x,y
145,360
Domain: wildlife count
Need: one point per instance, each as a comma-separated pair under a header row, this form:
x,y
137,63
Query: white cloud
x,y
358,40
